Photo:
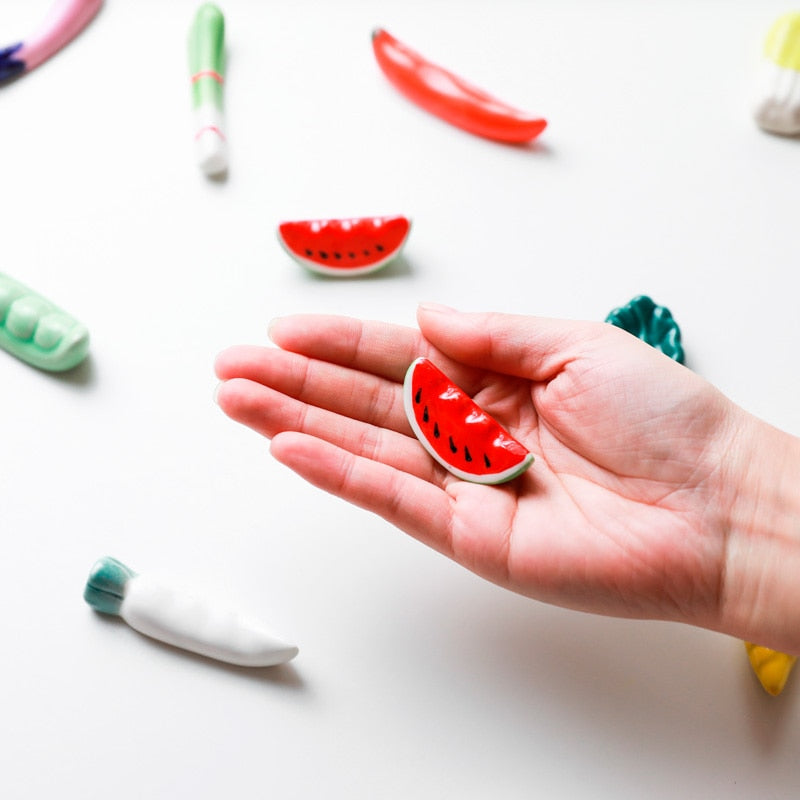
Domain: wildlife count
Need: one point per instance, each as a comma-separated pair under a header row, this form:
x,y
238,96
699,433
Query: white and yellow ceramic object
x,y
777,106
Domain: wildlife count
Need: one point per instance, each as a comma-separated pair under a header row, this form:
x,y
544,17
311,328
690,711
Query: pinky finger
x,y
414,505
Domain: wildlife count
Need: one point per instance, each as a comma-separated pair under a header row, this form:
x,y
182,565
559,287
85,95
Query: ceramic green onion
x,y
207,69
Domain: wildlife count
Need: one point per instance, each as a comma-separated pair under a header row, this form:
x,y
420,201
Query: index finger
x,y
379,348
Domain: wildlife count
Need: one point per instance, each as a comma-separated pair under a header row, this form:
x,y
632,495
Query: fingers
x,y
270,413
377,348
528,347
416,506
359,395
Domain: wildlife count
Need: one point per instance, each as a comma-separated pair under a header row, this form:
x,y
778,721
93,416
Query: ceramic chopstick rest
x,y
651,323
162,609
37,331
206,64
64,21
777,102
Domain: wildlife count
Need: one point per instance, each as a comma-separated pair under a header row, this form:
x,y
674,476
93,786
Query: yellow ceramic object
x,y
782,46
777,94
771,667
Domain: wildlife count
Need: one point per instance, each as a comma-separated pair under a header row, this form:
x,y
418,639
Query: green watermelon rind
x,y
486,478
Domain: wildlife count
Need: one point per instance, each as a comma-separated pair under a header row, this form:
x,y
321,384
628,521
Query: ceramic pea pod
x,y
37,331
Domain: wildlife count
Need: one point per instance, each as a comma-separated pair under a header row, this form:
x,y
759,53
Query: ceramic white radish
x,y
160,609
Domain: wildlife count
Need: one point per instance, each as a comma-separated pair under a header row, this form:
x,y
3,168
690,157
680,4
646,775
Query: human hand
x,y
634,506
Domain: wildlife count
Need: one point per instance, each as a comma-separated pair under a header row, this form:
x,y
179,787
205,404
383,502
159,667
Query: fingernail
x,y
270,327
216,391
436,308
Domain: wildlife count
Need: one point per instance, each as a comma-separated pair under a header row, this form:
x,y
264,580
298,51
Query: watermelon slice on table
x,y
456,431
345,247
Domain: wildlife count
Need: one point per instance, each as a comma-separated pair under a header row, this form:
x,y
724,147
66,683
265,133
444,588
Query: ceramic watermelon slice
x,y
456,431
345,247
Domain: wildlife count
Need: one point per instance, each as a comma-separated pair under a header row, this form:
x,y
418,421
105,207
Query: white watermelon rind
x,y
344,272
488,479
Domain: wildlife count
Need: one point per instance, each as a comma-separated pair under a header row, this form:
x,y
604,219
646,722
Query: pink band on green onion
x,y
208,73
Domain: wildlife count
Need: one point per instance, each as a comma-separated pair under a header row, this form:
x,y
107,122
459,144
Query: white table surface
x,y
415,679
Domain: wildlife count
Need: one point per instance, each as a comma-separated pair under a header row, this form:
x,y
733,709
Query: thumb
x,y
536,348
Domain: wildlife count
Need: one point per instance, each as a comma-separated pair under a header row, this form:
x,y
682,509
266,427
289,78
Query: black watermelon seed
x,y
453,448
486,461
418,395
309,252
436,430
425,416
352,255
323,254
379,248
466,454
366,252
337,255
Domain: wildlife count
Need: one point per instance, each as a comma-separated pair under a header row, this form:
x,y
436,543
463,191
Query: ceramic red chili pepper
x,y
450,97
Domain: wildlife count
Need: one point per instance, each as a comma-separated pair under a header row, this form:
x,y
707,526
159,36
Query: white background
x,y
415,679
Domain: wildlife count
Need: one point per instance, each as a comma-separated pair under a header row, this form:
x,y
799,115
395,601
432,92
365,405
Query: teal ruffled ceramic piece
x,y
650,323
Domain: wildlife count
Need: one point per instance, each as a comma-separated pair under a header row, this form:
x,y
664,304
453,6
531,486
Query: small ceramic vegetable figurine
x,y
777,107
343,248
65,20
206,64
457,432
651,323
449,97
771,667
36,331
158,609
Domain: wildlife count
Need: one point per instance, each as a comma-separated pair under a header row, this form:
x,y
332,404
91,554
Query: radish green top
x,y
105,588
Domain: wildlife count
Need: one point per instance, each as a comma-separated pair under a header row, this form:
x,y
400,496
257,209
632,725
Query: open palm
x,y
619,514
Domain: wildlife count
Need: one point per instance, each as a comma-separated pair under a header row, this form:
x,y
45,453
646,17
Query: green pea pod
x,y
651,323
38,332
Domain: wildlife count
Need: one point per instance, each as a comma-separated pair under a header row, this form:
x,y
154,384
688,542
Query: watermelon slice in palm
x,y
456,431
345,247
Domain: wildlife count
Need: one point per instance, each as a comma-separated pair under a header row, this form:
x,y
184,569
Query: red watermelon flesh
x,y
345,247
456,431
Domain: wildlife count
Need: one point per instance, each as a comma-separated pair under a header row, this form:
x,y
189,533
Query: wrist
x,y
760,587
